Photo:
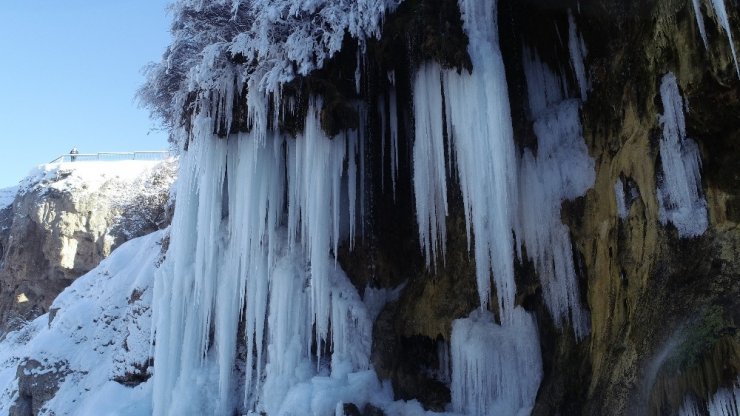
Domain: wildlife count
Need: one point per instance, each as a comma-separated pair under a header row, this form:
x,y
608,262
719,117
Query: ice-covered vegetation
x,y
224,48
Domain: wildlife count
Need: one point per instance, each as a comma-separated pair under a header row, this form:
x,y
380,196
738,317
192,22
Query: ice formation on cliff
x,y
680,198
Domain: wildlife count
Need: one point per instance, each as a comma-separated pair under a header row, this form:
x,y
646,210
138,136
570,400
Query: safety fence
x,y
112,156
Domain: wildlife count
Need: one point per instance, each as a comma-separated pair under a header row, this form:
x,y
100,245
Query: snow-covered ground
x,y
99,333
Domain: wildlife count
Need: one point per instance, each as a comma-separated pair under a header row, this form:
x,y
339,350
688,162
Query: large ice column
x,y
679,190
560,170
496,370
185,288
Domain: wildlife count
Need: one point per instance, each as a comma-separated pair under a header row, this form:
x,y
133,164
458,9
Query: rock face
x,y
65,219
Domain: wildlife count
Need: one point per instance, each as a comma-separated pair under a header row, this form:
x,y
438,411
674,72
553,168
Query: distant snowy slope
x,y
80,356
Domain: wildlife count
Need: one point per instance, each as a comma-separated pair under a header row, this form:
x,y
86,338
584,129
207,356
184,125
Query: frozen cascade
x,y
496,370
679,192
561,170
277,266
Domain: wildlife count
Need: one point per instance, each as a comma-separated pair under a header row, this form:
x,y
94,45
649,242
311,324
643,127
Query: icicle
x,y
393,125
430,182
321,160
721,12
578,53
358,72
679,192
362,146
700,22
381,114
352,184
496,370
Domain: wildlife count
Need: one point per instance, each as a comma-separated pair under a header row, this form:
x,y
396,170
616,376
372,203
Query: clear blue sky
x,y
69,71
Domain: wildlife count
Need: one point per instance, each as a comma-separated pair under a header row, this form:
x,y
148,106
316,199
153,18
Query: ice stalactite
x,y
700,21
679,191
496,370
578,52
236,256
561,170
393,126
721,12
430,180
388,115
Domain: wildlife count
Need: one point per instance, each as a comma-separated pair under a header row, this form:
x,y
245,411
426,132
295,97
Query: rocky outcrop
x,y
65,219
37,384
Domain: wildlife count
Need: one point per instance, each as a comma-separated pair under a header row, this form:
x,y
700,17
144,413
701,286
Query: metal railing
x,y
112,156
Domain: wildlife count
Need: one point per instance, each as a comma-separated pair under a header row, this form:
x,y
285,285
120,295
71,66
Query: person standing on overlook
x,y
74,152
